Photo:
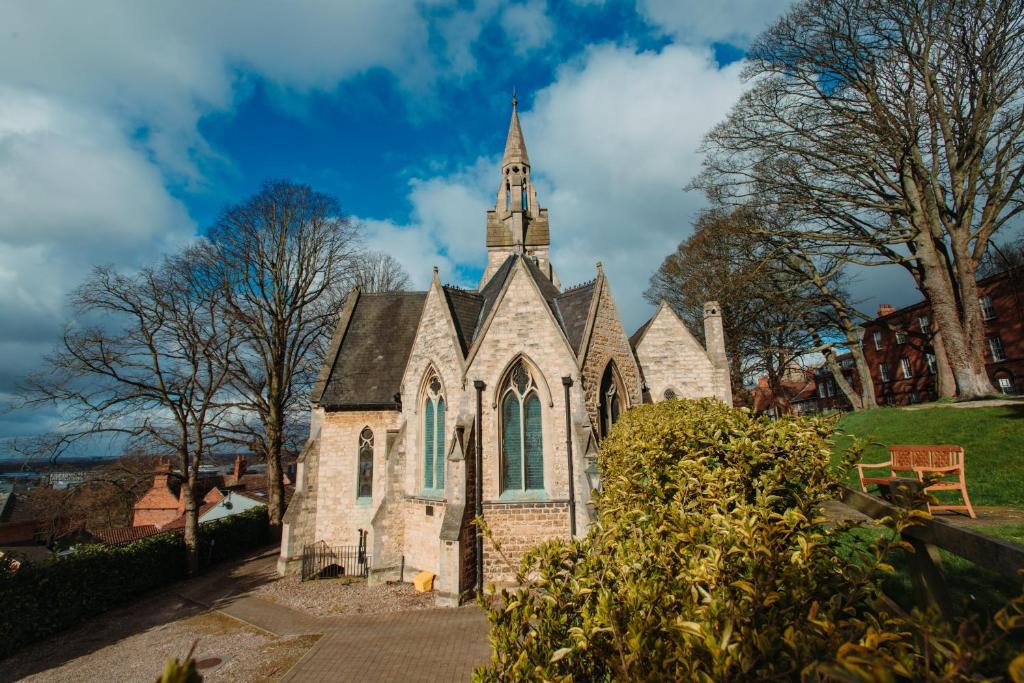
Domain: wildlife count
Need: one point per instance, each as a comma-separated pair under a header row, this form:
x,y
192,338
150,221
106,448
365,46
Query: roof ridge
x,y
567,290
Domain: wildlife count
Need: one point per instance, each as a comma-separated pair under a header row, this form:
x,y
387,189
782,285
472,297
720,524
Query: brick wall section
x,y
608,341
157,506
517,528
672,358
339,513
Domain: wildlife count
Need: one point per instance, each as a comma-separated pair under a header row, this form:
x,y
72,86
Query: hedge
x,y
711,561
40,599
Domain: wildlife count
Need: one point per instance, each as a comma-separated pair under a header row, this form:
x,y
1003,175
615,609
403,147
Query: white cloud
x,y
613,141
528,25
700,21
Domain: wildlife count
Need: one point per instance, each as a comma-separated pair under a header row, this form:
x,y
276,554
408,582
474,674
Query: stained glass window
x,y
610,400
433,435
522,434
364,482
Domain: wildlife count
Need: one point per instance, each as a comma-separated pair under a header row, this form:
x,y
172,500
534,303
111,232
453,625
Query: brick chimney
x,y
885,309
241,463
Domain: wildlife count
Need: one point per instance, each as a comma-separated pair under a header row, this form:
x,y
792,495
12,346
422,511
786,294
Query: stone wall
x,y
299,523
523,327
519,527
672,359
608,341
340,514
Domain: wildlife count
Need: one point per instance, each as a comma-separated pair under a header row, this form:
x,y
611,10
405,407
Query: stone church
x,y
432,407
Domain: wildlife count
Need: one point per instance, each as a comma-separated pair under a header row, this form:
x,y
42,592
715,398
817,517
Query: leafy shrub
x,y
40,599
711,562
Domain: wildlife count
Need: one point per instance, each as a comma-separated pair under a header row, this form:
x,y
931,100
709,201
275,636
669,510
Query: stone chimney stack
x,y
714,337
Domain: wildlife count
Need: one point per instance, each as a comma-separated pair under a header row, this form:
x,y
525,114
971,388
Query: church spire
x,y
515,145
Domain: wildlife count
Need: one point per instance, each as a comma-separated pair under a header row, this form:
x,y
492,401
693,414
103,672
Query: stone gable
x,y
672,359
607,342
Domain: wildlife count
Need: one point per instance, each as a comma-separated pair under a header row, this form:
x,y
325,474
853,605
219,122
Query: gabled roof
x,y
465,309
125,534
640,331
365,370
573,308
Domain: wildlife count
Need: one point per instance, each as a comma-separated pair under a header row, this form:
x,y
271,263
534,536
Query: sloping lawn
x,y
992,437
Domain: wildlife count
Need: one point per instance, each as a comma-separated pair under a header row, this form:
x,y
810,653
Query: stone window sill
x,y
436,495
528,496
364,501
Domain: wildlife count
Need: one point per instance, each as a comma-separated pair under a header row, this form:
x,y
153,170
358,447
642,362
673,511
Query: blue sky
x,y
126,127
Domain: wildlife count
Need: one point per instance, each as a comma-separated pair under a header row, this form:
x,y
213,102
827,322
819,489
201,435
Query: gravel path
x,y
328,597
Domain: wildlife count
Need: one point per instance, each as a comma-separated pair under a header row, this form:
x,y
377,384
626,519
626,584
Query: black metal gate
x,y
322,561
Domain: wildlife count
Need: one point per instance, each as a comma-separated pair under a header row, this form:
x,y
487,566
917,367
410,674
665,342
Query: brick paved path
x,y
422,645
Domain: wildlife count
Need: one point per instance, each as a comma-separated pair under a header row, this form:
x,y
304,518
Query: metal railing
x,y
322,561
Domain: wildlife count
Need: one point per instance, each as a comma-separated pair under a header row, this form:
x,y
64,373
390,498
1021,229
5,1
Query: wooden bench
x,y
922,461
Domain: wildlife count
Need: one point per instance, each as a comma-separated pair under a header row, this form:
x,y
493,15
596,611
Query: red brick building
x,y
899,350
898,345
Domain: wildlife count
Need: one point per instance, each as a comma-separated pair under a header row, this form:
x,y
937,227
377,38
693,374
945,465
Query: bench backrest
x,y
906,458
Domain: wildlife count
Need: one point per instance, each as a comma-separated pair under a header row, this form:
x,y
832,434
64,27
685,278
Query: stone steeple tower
x,y
517,224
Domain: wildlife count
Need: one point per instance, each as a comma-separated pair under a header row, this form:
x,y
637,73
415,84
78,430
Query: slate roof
x,y
638,335
465,308
574,307
367,369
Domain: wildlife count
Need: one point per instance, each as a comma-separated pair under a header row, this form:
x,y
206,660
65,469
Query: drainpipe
x,y
478,477
567,382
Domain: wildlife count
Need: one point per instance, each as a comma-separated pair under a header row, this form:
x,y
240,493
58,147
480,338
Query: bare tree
x,y
376,271
284,259
892,130
148,359
767,311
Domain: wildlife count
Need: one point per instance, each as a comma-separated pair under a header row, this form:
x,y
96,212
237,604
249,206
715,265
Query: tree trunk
x,y
965,364
860,364
188,493
275,485
855,399
945,383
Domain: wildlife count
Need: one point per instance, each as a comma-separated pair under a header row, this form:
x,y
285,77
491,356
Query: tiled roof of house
x,y
368,366
465,308
126,534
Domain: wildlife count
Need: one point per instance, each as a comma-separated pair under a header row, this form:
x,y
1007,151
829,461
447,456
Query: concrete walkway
x,y
417,645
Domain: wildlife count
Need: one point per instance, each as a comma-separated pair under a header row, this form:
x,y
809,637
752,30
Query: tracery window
x,y
610,400
433,435
364,476
670,394
522,439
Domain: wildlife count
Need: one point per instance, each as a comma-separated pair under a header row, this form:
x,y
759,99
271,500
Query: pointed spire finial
x,y
515,146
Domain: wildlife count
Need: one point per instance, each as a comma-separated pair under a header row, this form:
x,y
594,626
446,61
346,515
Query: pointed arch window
x,y
522,438
364,476
508,196
610,402
526,197
433,435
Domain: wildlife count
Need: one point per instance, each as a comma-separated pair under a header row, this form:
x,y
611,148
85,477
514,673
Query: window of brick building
x,y
905,366
364,481
883,372
988,311
995,347
877,336
1005,384
925,323
915,397
522,441
931,363
433,435
901,337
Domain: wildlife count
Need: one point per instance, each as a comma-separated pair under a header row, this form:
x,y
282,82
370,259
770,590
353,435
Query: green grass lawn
x,y
993,439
